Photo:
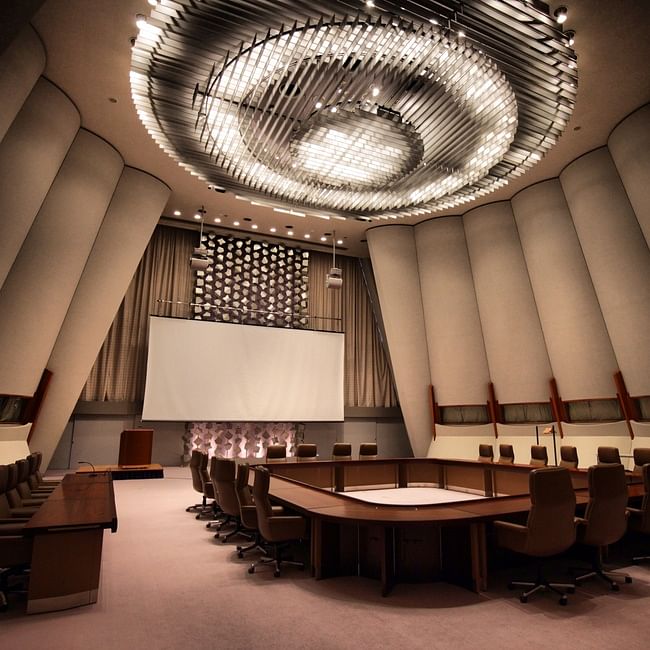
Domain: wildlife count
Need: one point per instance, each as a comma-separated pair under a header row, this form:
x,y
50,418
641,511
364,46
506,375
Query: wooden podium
x,y
135,447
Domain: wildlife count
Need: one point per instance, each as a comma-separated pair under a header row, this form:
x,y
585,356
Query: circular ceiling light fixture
x,y
292,114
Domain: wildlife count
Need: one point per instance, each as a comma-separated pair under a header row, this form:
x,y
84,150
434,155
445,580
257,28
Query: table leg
x,y
316,548
479,556
387,560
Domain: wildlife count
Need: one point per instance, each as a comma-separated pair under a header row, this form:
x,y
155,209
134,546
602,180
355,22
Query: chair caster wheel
x,y
240,555
208,525
251,569
523,599
628,580
564,600
217,536
276,574
571,590
224,540
197,516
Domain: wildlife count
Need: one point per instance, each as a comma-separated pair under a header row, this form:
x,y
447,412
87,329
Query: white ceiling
x,y
88,57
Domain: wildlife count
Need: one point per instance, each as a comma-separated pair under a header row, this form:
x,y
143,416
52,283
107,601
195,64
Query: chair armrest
x,y
286,527
510,535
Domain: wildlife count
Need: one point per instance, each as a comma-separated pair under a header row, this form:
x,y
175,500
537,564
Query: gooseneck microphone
x,y
87,462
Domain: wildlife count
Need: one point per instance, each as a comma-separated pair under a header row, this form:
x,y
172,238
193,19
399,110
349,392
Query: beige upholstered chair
x,y
639,520
486,453
11,516
538,456
367,451
605,520
550,528
641,458
568,457
506,454
306,450
277,530
273,452
34,463
342,451
609,455
13,494
41,482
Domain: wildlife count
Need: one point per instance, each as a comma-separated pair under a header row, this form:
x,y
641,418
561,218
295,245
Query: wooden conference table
x,y
445,541
67,533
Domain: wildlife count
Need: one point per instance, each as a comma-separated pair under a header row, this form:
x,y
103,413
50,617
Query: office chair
x,y
367,451
273,452
209,489
12,493
9,515
641,458
33,462
22,485
197,483
506,455
224,471
248,512
306,450
538,456
39,477
605,519
550,528
15,558
609,455
568,457
639,518
486,453
342,451
277,531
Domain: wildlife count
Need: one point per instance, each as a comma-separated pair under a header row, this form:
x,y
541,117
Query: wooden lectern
x,y
135,447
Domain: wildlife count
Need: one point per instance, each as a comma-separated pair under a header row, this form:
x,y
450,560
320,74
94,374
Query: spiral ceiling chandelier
x,y
371,110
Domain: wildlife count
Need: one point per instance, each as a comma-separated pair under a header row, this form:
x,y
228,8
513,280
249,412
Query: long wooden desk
x,y
67,533
404,543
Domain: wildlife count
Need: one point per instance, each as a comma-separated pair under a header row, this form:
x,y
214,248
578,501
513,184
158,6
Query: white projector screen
x,y
206,371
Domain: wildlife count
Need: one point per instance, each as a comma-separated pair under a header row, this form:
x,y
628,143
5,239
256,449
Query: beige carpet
x,y
167,583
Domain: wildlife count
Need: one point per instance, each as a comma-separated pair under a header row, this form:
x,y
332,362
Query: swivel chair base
x,y
256,545
274,557
542,584
599,571
5,588
237,530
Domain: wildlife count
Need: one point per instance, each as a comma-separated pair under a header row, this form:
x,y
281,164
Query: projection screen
x,y
206,371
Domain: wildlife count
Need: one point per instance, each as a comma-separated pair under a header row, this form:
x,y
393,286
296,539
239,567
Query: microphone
x,y
87,462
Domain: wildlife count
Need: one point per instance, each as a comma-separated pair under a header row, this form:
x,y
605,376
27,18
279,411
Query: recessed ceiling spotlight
x,y
323,238
273,229
570,37
339,242
334,109
197,216
461,33
290,233
561,14
217,219
433,21
177,213
254,226
153,3
319,104
235,223
370,3
375,91
307,236
140,20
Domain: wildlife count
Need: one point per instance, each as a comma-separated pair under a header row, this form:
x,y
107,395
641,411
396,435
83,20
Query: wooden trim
x,y
628,406
434,410
494,411
557,406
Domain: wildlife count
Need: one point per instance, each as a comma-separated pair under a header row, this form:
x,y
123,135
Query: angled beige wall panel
x,y
30,156
516,352
37,292
618,259
629,146
395,266
21,64
576,337
459,371
131,217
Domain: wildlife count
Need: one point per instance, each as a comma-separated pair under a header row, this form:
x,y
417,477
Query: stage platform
x,y
126,472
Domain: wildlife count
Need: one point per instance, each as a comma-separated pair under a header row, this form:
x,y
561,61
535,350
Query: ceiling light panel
x,y
381,113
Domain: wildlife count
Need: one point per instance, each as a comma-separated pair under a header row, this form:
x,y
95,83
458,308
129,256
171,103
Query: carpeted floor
x,y
166,583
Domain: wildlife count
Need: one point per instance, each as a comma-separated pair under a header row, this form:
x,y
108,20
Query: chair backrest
x,y
486,453
245,497
568,457
609,455
342,451
203,470
306,450
276,451
23,479
506,454
13,496
224,470
538,456
551,527
645,504
32,461
5,512
195,464
641,458
368,450
39,460
606,514
263,508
